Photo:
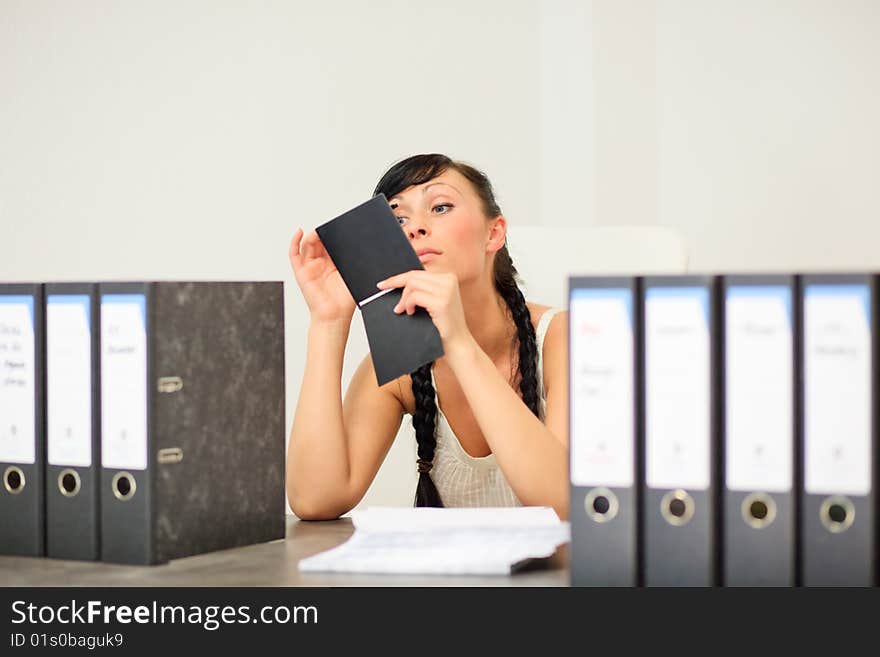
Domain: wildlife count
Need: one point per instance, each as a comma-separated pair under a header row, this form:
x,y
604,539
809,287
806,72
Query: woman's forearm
x,y
533,460
317,455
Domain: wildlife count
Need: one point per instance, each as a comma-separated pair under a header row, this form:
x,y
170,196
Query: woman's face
x,y
446,225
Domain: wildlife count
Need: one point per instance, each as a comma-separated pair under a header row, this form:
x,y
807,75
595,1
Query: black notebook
x,y
367,246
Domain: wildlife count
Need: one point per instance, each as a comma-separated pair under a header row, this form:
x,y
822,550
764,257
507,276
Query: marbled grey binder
x,y
215,400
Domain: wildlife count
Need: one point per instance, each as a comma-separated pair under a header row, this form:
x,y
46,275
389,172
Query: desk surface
x,y
266,564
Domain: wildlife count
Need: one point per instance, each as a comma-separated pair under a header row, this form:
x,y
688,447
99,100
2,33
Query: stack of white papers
x,y
472,541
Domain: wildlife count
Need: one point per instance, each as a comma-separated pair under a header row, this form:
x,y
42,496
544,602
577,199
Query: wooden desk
x,y
267,564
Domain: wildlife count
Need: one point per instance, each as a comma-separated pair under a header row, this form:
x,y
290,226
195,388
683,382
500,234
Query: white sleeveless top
x,y
465,480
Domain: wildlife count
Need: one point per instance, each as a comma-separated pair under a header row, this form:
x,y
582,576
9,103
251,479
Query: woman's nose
x,y
417,230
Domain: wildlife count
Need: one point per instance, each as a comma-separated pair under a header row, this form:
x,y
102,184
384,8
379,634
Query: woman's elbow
x,y
313,509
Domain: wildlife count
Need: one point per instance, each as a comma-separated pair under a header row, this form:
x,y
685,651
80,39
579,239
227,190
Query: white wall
x,y
749,126
189,139
768,133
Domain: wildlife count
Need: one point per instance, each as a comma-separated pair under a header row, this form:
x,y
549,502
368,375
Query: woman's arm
x,y
336,448
317,458
532,455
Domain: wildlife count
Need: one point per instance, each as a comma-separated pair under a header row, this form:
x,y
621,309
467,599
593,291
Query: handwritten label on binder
x,y
124,381
17,379
837,395
759,391
69,380
602,371
678,387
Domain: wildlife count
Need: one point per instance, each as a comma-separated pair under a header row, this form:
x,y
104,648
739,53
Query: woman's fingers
x,y
411,298
431,288
407,277
421,299
311,245
294,250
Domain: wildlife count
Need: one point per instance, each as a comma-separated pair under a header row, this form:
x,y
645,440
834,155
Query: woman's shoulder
x,y
554,347
537,310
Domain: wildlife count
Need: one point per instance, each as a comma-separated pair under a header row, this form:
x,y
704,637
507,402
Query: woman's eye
x,y
446,208
401,220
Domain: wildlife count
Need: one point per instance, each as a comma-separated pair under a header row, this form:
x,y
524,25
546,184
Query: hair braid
x,y
525,335
424,421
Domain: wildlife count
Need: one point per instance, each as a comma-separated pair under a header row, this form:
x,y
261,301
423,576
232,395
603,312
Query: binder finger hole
x,y
677,507
758,510
13,480
69,482
837,514
123,486
601,505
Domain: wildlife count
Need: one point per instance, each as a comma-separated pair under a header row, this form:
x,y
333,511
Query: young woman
x,y
490,416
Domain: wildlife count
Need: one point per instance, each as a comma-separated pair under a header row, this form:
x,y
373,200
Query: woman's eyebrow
x,y
425,190
394,202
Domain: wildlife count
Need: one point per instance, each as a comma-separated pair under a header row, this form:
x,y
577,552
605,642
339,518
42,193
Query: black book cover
x,y
367,246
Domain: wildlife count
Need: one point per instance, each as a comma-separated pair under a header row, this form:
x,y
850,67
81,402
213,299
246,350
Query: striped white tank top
x,y
465,480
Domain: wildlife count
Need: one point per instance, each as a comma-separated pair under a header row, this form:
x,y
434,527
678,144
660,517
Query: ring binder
x,y
759,372
604,343
680,409
22,420
840,418
191,369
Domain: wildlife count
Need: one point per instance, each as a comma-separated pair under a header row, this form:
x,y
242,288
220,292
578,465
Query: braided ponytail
x,y
505,283
423,420
417,170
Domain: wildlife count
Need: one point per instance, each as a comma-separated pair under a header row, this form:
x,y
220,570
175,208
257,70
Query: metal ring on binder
x,y
677,507
601,497
64,478
837,513
128,482
758,510
10,475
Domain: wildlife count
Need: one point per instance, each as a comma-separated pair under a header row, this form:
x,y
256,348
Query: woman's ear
x,y
497,234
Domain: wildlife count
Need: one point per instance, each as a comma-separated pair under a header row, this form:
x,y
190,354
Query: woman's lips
x,y
426,255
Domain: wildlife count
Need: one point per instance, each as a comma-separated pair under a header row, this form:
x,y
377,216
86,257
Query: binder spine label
x,y
69,379
17,379
759,390
123,381
678,387
837,394
602,371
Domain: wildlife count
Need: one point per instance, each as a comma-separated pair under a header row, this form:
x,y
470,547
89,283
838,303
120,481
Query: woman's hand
x,y
439,295
320,282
